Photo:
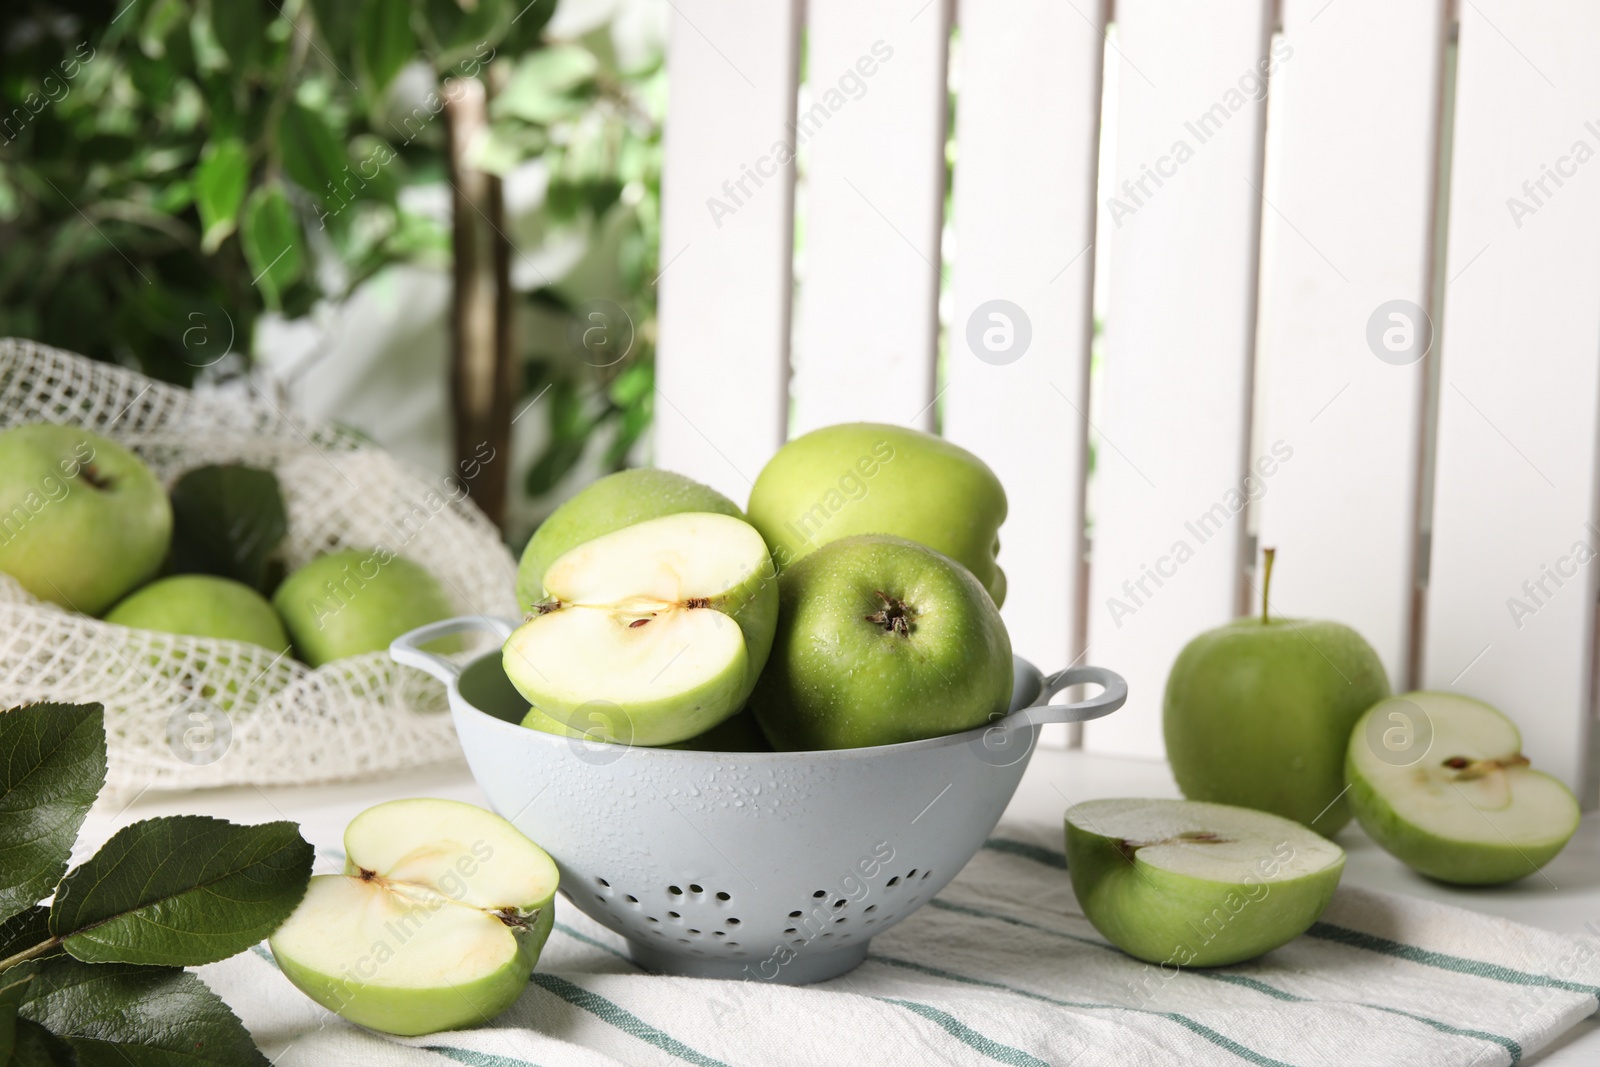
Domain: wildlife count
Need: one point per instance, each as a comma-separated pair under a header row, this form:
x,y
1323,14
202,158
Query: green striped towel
x,y
1002,968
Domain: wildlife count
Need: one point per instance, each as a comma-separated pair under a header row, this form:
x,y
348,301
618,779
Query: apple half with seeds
x,y
436,923
663,625
1194,884
1468,810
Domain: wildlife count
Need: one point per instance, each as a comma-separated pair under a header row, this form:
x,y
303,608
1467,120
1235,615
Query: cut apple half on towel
x,y
436,923
663,626
1465,809
1192,884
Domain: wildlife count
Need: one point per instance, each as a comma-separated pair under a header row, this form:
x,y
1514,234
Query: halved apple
x,y
436,923
1468,809
1194,884
667,622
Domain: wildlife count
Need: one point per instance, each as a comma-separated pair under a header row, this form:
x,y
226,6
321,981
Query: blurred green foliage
x,y
170,170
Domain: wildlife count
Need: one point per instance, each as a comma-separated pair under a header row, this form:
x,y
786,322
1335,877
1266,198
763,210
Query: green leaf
x,y
120,1016
22,931
467,32
13,991
271,238
240,27
385,42
52,764
38,1047
228,521
560,456
219,183
180,891
551,84
311,154
337,19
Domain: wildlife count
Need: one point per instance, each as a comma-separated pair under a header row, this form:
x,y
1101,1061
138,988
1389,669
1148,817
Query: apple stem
x,y
1266,580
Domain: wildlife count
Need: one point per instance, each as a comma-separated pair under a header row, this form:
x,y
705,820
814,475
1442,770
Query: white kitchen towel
x,y
1002,968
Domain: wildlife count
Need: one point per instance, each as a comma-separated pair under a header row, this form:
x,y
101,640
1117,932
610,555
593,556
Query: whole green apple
x,y
613,502
651,634
1197,885
436,923
1258,713
357,600
204,606
866,478
1440,781
82,519
881,640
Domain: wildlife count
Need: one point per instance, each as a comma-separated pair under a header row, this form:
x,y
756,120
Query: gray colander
x,y
778,866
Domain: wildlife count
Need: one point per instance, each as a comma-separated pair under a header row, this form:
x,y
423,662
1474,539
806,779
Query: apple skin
x,y
871,478
1493,860
837,679
613,502
203,605
357,600
82,520
1258,714
1159,916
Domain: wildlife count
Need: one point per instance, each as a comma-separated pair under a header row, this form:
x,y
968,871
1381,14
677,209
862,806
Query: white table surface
x,y
1563,898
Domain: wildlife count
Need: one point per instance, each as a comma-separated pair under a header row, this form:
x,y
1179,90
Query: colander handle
x,y
406,648
1109,699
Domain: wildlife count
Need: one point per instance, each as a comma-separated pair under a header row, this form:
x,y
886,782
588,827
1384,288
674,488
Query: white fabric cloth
x,y
1002,968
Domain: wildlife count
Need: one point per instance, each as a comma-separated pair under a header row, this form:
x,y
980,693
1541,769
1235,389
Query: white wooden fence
x,y
1252,246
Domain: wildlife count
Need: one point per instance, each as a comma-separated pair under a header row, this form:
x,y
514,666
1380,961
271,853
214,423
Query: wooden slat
x,y
727,235
871,127
1180,328
1350,176
1024,190
1516,479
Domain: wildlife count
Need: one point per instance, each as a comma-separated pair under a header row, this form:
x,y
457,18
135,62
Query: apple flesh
x,y
203,605
82,520
436,923
612,503
870,478
881,640
664,624
355,601
1467,810
1197,885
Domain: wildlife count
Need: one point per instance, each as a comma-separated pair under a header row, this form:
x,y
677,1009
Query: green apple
x,y
1440,781
204,606
82,519
1258,713
740,733
436,923
357,600
1197,885
665,623
613,502
881,640
869,478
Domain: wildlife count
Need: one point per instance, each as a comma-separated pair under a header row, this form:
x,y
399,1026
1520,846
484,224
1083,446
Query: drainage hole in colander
x,y
632,899
718,933
674,890
871,908
696,889
798,941
603,882
651,919
819,894
696,933
724,897
733,922
657,932
841,919
791,930
673,915
925,875
600,898
828,934
794,915
733,944
683,940
891,883
839,903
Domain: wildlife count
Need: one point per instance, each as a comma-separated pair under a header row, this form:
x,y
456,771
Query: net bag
x,y
188,712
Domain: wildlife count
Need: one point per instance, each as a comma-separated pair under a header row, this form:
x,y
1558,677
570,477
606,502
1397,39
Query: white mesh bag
x,y
188,712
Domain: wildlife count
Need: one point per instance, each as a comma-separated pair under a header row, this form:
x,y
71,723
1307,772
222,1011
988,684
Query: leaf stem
x,y
1266,581
29,953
